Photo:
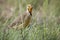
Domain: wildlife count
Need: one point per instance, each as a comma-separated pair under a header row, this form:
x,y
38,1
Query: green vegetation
x,y
45,24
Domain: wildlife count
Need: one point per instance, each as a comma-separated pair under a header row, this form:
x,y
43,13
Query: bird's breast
x,y
27,20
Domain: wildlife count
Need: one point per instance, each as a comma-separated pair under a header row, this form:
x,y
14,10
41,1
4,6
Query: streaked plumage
x,y
22,21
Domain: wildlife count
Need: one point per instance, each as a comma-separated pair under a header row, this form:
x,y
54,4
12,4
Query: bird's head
x,y
29,8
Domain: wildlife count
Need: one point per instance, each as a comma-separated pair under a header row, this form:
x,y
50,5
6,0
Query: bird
x,y
23,20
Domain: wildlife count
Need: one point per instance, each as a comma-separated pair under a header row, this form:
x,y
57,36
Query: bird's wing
x,y
20,26
16,22
23,16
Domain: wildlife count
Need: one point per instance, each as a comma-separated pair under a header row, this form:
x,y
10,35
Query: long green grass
x,y
45,23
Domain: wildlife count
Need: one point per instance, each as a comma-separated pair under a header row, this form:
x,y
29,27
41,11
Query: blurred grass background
x,y
45,24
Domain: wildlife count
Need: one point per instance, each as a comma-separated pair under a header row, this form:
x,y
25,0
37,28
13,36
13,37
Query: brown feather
x,y
23,20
